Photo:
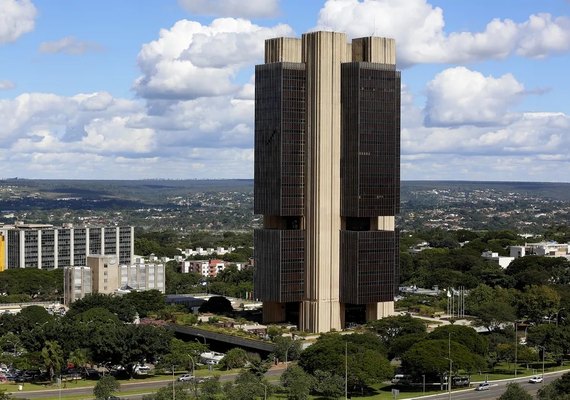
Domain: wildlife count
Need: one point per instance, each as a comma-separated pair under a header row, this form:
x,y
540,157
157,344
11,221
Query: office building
x,y
327,180
45,246
103,274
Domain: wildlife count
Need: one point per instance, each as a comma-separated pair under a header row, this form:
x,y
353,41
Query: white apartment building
x,y
44,246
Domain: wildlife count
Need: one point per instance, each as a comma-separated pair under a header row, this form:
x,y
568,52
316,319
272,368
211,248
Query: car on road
x,y
536,379
483,386
186,378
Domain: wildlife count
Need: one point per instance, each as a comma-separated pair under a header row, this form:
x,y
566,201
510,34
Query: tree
x,y
401,344
464,335
367,363
52,357
557,390
538,302
216,305
297,383
116,305
328,385
430,357
515,392
146,301
106,387
287,349
78,358
143,343
182,354
248,386
211,389
493,314
179,392
235,358
391,327
273,331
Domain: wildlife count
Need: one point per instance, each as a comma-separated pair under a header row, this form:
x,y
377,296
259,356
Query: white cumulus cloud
x,y
69,45
459,96
234,8
418,28
192,60
6,85
17,17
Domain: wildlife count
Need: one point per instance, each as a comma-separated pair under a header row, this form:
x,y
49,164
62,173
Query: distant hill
x,y
228,204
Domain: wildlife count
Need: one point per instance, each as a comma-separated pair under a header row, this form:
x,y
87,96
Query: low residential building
x,y
206,268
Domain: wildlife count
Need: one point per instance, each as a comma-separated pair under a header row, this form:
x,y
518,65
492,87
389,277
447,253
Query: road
x,y
148,386
497,389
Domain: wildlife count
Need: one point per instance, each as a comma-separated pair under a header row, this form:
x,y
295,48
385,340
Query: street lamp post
x,y
173,391
264,390
424,383
516,348
450,365
193,365
558,315
203,337
543,352
346,370
287,351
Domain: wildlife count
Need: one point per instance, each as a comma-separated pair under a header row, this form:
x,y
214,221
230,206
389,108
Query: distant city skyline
x,y
142,89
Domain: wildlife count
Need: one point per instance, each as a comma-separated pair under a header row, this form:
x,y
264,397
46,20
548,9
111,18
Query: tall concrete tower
x,y
327,180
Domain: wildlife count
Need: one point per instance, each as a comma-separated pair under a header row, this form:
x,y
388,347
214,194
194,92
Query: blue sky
x,y
137,89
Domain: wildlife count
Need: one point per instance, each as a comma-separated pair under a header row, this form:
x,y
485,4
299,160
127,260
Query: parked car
x,y
483,386
186,378
536,379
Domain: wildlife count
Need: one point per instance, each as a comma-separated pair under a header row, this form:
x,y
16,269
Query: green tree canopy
x,y
217,305
297,383
234,358
106,387
392,327
52,357
367,363
557,390
515,392
146,302
464,335
431,357
538,302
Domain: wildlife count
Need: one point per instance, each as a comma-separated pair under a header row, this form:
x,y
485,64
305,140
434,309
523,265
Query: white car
x,y
186,378
536,379
483,386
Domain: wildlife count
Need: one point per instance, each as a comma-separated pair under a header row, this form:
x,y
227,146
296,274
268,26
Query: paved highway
x,y
496,390
148,386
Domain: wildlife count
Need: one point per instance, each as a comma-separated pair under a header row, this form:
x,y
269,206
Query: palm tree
x,y
52,356
79,358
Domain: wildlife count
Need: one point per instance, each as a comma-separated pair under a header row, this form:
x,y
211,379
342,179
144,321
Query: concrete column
x,y
323,53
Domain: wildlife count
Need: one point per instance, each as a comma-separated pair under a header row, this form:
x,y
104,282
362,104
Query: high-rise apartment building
x,y
327,179
46,246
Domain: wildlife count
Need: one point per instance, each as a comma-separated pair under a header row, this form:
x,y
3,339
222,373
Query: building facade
x,y
48,247
103,274
327,179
